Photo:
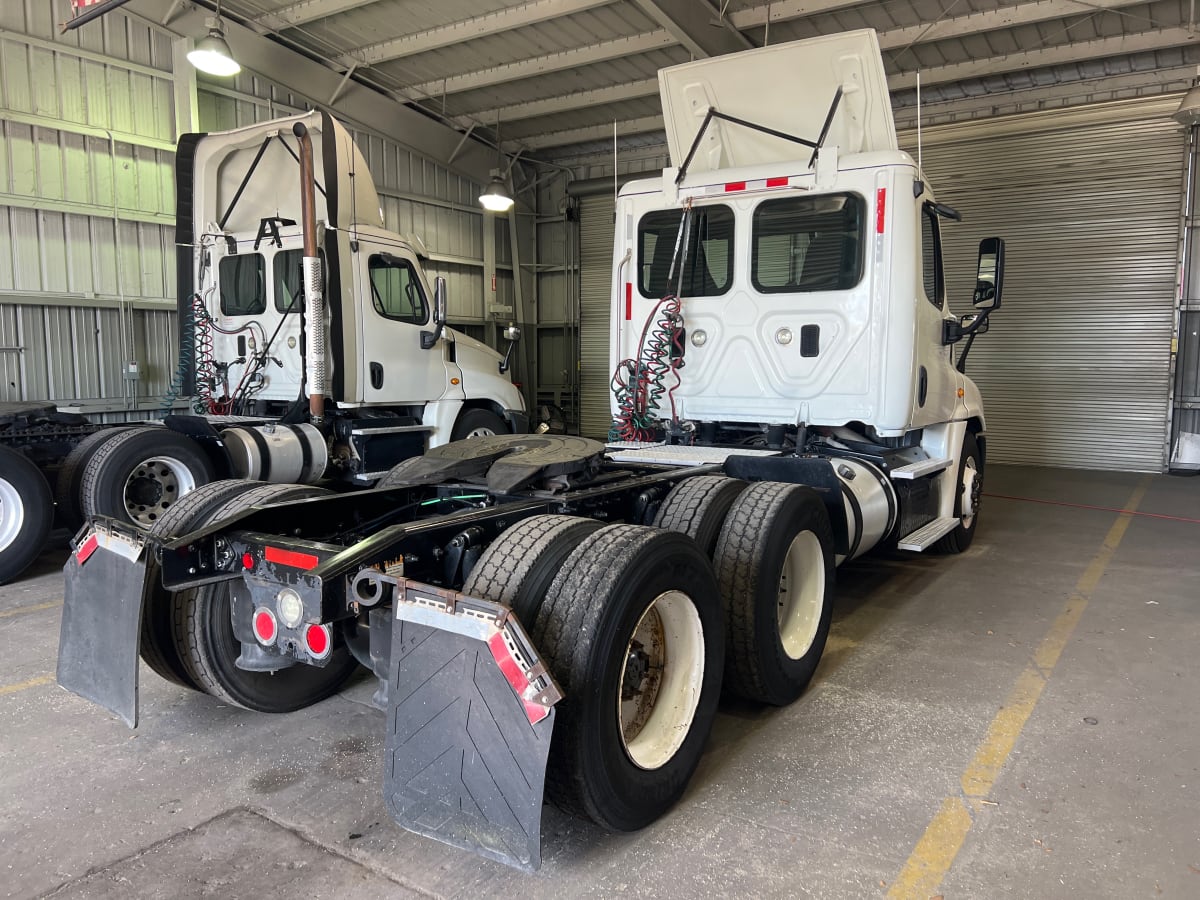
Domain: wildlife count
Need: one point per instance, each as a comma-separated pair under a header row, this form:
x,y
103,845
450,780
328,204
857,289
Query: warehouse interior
x,y
1010,721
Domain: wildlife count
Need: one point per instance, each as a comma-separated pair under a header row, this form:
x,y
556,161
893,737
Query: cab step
x,y
925,536
920,468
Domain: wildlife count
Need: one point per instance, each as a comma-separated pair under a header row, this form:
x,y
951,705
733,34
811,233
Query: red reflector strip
x,y
628,301
880,209
761,184
516,678
87,548
777,182
732,186
290,558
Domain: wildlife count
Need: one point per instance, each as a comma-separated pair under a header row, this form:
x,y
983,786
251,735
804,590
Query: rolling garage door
x,y
595,274
1076,368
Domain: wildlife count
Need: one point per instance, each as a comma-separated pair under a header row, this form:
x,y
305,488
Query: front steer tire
x,y
585,631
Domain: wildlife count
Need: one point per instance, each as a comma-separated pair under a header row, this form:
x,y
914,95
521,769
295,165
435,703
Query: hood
x,y
787,87
211,170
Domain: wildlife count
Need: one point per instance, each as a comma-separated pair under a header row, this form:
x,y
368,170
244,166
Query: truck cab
x,y
242,287
798,290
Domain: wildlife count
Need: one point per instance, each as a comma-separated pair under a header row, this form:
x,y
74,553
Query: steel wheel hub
x,y
12,513
154,486
801,594
661,680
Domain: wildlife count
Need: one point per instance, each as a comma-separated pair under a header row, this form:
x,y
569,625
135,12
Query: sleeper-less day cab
x,y
553,616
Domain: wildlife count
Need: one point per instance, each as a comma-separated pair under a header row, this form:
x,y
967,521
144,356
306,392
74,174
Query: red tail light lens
x,y
318,640
265,628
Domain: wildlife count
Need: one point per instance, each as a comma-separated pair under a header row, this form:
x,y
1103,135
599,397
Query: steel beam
x,y
307,11
643,125
617,93
317,81
468,29
696,25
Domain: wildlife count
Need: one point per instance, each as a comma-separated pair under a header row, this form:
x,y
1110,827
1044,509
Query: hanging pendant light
x,y
495,196
212,53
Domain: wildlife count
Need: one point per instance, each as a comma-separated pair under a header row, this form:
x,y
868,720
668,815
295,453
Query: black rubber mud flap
x,y
102,617
468,727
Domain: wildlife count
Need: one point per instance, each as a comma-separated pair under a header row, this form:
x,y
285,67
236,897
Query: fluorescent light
x,y
495,196
212,53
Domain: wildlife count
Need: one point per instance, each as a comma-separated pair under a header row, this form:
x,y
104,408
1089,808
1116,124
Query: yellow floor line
x,y
25,685
16,611
943,838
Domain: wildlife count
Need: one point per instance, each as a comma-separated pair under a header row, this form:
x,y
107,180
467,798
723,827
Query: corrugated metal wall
x,y
87,134
86,209
595,267
1076,368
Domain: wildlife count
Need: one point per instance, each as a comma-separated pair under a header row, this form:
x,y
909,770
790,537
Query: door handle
x,y
377,375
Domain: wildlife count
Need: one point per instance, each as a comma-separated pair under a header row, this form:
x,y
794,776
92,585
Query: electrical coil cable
x,y
639,383
187,347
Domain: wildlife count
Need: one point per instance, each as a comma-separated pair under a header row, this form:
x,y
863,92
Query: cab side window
x,y
243,285
931,257
395,290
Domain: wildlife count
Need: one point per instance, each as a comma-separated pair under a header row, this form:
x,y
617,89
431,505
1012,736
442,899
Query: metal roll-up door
x,y
1075,370
595,274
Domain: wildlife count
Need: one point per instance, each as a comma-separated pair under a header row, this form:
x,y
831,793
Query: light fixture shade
x,y
1189,109
495,196
212,54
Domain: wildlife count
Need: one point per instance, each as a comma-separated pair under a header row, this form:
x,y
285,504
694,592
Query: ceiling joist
x,y
469,29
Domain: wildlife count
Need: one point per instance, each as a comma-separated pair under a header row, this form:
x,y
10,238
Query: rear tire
x,y
774,562
138,474
968,494
518,567
631,629
26,512
697,507
70,477
204,633
159,649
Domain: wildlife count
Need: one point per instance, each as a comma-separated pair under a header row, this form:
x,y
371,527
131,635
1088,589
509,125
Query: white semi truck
x,y
548,616
331,369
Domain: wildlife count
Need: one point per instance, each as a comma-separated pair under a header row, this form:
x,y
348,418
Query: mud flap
x,y
101,623
468,727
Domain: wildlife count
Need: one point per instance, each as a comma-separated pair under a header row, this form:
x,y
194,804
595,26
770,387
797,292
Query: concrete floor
x,y
1094,792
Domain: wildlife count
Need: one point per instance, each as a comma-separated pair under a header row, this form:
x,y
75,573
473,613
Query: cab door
x,y
396,308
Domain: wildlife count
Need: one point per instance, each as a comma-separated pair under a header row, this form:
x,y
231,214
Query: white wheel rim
x,y
801,594
480,432
660,687
154,486
12,513
969,476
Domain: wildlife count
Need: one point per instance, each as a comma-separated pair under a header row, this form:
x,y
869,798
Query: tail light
x,y
265,627
318,640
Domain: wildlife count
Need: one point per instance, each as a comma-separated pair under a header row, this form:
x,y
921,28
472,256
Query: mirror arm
x,y
504,363
961,365
429,339
953,331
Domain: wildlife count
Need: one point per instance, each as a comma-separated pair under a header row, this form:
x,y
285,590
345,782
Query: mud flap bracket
x,y
469,718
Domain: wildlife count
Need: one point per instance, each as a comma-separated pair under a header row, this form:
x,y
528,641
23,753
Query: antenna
x,y
920,169
614,166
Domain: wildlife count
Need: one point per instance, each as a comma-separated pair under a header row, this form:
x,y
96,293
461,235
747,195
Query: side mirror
x,y
968,323
512,334
989,280
430,338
